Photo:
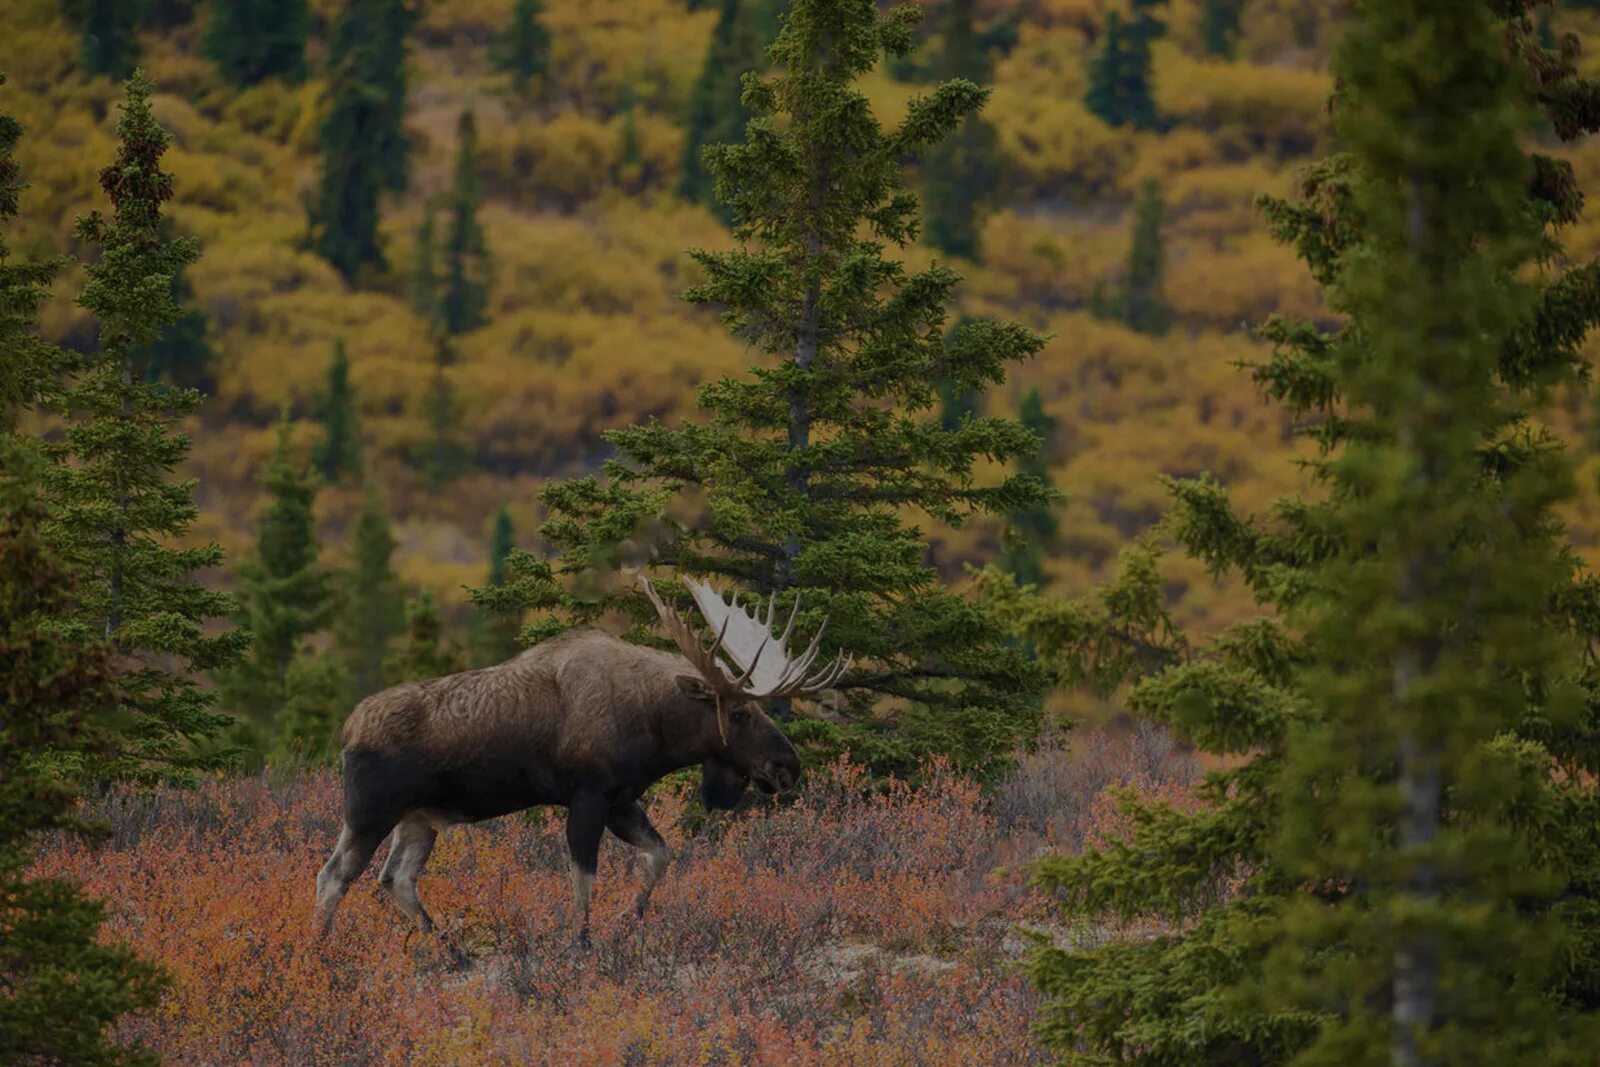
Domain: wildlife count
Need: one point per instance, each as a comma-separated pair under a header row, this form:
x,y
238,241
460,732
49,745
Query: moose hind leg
x,y
408,855
586,823
631,824
350,857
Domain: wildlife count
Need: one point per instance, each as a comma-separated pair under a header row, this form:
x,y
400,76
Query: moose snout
x,y
781,773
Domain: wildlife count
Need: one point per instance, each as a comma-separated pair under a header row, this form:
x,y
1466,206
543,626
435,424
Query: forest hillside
x,y
582,205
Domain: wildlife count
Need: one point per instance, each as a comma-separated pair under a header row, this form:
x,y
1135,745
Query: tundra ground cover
x,y
844,928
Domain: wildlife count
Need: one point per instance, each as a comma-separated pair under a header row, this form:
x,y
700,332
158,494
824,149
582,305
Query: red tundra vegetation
x,y
852,926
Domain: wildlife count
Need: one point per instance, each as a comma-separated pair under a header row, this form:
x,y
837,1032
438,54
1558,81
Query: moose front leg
x,y
586,822
629,822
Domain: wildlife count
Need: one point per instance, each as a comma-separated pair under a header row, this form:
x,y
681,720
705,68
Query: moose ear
x,y
696,687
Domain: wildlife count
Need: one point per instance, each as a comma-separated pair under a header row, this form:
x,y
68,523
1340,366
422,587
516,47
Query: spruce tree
x,y
362,136
805,468
383,59
339,451
64,986
117,507
717,113
466,251
316,701
1219,26
425,269
1401,864
424,653
370,611
959,173
1144,303
31,367
1119,78
285,594
253,40
524,50
1035,529
181,354
109,31
444,456
495,635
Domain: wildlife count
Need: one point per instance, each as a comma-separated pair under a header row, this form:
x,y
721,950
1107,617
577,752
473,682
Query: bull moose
x,y
584,720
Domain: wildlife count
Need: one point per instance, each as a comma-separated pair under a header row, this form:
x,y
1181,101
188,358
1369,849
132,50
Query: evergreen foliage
x,y
1401,863
495,635
800,478
425,268
959,173
1035,529
63,987
253,40
1143,300
524,51
1119,78
1219,25
339,451
116,506
444,456
32,365
717,112
370,611
316,701
286,595
109,31
362,136
423,652
466,252
181,354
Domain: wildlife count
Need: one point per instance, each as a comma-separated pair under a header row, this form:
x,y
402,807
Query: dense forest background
x,y
586,212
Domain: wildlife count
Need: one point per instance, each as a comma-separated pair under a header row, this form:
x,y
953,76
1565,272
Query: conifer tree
x,y
383,58
1219,26
805,466
362,136
370,612
959,173
64,987
32,365
496,634
1144,302
181,354
524,50
717,113
116,505
466,252
424,653
444,455
1035,529
286,595
316,701
1119,78
339,451
1401,864
109,31
425,269
253,40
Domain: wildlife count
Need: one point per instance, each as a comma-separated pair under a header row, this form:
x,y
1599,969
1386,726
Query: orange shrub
x,y
851,927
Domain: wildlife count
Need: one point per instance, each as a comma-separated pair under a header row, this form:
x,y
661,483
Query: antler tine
x,y
704,659
828,675
794,678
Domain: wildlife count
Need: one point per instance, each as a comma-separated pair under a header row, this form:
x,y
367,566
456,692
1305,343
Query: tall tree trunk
x,y
1420,783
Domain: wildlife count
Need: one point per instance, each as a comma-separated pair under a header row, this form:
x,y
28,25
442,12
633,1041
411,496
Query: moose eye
x,y
741,715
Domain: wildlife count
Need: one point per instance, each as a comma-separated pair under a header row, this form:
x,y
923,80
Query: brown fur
x,y
583,720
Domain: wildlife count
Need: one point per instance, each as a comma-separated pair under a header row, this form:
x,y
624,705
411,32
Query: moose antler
x,y
749,641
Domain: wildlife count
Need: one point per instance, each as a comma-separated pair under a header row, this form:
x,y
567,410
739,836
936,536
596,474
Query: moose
x,y
583,720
